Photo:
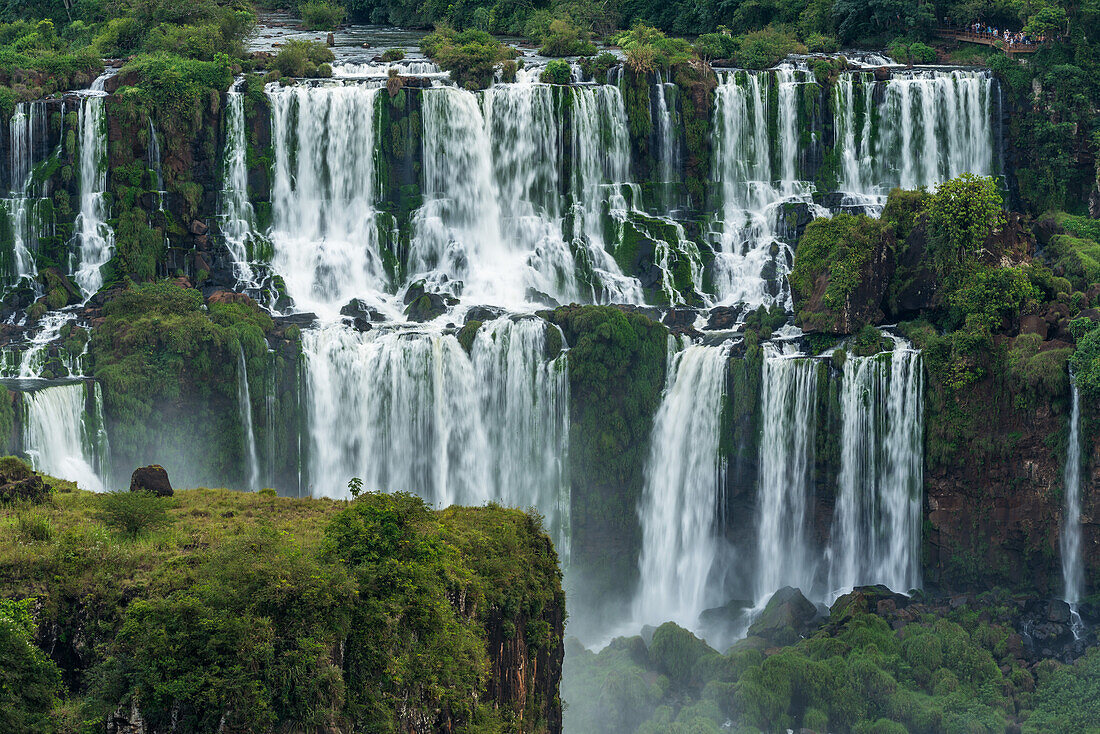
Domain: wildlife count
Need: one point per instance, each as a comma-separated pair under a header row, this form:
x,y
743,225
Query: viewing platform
x,y
987,39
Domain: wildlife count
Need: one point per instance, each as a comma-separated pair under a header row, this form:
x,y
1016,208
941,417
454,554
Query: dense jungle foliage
x,y
279,614
942,671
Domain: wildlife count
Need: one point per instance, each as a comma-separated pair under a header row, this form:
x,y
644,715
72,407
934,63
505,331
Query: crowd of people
x,y
1001,34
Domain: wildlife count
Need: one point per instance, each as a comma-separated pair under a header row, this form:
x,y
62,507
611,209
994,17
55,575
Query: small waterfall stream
x,y
95,237
238,218
684,479
1073,572
26,128
248,437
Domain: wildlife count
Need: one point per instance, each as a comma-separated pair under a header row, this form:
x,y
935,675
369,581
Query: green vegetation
x,y
616,374
268,613
942,671
472,56
562,37
321,15
835,259
29,681
168,368
556,72
133,513
1086,358
307,59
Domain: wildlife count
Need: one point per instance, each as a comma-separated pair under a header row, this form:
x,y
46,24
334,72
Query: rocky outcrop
x,y
151,479
19,484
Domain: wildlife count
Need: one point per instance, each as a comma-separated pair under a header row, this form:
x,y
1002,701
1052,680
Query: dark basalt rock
x,y
153,479
537,296
680,318
483,314
429,306
725,621
724,318
19,483
787,618
358,310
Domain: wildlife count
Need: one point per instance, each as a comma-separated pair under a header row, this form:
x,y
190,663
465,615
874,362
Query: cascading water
x,y
60,438
669,154
238,218
325,232
524,132
875,536
684,477
25,129
929,126
95,237
752,190
1073,573
248,436
411,411
601,166
788,405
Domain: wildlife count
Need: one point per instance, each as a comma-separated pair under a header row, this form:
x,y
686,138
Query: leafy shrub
x,y
556,72
132,513
765,48
564,38
911,52
472,56
35,527
306,59
822,44
715,46
963,213
29,681
598,67
647,48
321,15
393,54
1086,358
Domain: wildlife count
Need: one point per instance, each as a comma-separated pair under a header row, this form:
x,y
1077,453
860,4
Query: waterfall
x,y
26,128
525,136
669,154
411,411
458,230
324,232
876,526
1073,573
238,219
929,126
60,438
601,166
37,355
752,190
684,477
244,407
155,164
788,404
96,238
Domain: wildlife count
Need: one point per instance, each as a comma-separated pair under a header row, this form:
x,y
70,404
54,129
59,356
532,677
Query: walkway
x,y
987,39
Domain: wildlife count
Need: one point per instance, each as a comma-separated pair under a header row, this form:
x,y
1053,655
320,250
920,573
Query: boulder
x,y
786,618
724,318
483,314
1034,324
198,228
726,621
358,310
536,296
427,307
19,483
153,479
680,318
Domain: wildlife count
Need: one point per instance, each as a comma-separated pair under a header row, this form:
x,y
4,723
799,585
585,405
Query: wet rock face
x,y
151,479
